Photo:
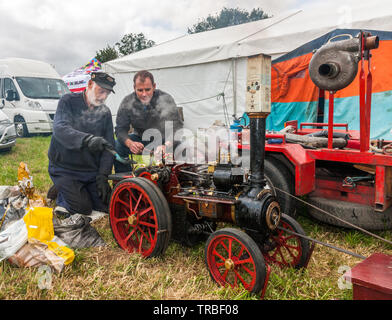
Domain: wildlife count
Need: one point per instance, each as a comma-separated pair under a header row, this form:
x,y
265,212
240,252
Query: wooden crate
x,y
372,278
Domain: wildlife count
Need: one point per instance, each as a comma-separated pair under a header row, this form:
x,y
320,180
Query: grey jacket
x,y
133,113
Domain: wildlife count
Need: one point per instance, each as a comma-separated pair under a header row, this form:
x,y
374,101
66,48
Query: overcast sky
x,y
67,33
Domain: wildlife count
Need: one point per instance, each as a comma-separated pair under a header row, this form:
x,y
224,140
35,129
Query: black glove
x,y
103,187
96,144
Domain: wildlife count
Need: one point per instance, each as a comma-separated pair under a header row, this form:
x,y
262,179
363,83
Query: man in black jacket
x,y
79,163
147,110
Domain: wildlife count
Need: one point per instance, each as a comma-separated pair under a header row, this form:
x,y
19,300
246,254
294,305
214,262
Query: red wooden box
x,y
372,278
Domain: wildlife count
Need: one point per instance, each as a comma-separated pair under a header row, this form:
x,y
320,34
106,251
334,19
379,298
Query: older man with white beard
x,y
79,163
146,108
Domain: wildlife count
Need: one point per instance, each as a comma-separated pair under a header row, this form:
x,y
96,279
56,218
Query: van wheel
x,y
21,127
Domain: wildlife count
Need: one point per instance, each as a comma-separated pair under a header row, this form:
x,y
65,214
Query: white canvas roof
x,y
27,68
197,68
274,36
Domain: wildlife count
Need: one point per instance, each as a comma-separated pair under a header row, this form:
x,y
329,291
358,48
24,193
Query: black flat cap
x,y
103,80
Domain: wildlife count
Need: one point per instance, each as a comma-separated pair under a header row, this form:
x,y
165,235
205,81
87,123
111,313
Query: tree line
x,y
134,42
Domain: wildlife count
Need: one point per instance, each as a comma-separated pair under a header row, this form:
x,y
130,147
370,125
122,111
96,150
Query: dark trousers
x,y
124,152
77,190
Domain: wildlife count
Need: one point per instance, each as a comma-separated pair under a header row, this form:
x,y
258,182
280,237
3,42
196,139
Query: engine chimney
x,y
258,107
258,208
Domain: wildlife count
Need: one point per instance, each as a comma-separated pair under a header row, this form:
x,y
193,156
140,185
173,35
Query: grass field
x,y
110,273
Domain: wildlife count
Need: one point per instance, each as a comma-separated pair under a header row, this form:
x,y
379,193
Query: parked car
x,y
30,91
7,133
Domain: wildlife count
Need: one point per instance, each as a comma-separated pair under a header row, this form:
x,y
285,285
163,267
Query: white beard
x,y
92,99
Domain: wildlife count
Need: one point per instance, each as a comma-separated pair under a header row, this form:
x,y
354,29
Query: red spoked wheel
x,y
165,211
144,173
138,218
285,249
147,175
233,258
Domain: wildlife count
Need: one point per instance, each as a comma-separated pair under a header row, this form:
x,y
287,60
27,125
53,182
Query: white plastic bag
x,y
12,239
9,191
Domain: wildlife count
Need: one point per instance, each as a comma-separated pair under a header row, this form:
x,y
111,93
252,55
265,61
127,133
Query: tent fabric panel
x,y
291,81
381,68
346,110
275,36
77,83
77,89
283,112
196,89
317,43
77,80
202,47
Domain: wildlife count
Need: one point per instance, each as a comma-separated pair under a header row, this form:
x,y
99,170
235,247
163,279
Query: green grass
x,y
33,151
111,273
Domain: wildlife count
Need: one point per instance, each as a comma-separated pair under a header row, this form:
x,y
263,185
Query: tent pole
x,y
234,74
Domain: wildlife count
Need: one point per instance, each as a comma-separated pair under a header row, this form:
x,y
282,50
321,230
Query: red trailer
x,y
347,176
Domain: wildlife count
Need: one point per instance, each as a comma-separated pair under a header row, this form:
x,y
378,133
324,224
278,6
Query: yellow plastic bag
x,y
62,251
39,223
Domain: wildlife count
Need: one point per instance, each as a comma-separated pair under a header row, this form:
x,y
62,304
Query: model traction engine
x,y
186,202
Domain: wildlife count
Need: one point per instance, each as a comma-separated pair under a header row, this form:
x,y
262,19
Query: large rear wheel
x,y
139,220
166,211
284,248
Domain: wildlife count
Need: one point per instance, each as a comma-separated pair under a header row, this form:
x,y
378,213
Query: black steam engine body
x,y
235,213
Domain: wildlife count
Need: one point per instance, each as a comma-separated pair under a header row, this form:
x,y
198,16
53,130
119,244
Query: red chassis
x,y
304,164
358,174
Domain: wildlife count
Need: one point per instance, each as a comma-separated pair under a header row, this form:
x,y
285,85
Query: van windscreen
x,y
42,88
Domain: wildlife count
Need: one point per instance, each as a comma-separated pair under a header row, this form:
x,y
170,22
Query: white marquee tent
x,y
197,68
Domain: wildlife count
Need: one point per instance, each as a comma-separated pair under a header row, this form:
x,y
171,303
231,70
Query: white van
x,y
29,94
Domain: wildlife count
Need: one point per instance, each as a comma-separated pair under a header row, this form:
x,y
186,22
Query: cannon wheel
x,y
139,219
285,249
233,258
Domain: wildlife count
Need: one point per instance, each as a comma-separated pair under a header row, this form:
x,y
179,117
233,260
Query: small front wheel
x,y
233,258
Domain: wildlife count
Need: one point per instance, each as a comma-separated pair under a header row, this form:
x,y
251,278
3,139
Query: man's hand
x,y
160,152
135,147
96,144
103,187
